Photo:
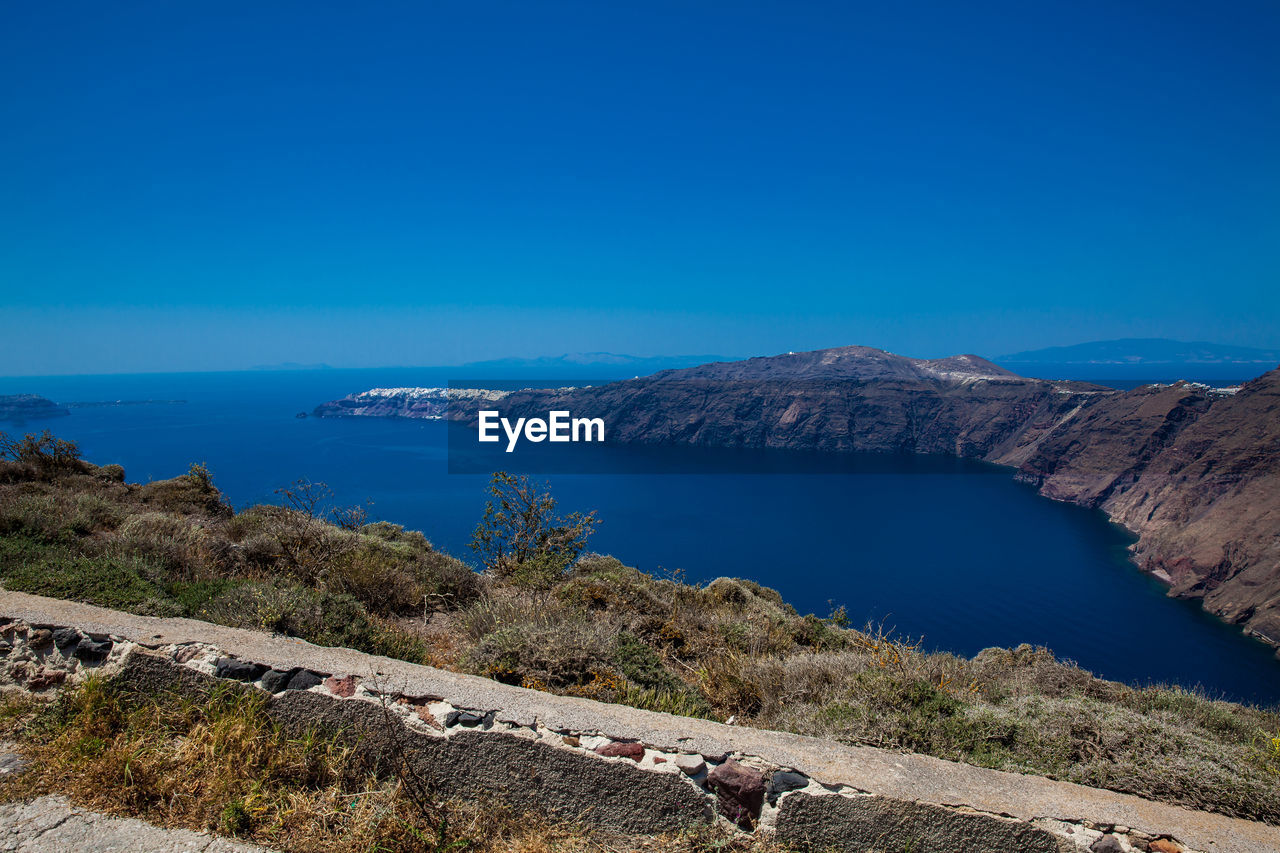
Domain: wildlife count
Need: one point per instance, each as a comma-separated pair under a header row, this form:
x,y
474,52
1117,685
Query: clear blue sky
x,y
200,185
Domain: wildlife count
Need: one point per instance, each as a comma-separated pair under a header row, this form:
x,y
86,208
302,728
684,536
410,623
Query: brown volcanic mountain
x,y
846,399
1194,472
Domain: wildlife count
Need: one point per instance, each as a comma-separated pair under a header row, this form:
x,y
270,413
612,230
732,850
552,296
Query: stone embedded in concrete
x,y
868,822
44,678
784,780
1164,845
240,670
341,685
66,638
276,681
739,791
39,638
423,713
691,765
469,719
1107,844
618,749
93,650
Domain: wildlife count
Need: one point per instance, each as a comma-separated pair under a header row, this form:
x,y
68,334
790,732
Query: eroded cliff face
x,y
1196,474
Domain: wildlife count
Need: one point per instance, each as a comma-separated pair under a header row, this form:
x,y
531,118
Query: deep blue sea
x,y
954,552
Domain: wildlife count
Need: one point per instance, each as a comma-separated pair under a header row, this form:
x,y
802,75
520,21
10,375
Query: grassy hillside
x,y
547,616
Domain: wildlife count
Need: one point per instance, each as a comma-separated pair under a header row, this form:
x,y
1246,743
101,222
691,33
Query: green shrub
x,y
180,543
35,514
522,540
388,532
641,664
94,513
562,649
322,618
114,473
391,579
185,495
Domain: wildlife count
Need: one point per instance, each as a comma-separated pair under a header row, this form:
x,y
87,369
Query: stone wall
x,y
617,768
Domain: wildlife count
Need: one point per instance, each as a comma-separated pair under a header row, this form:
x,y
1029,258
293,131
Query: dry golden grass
x,y
219,763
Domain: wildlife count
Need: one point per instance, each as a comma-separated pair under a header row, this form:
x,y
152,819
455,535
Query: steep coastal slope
x,y
1193,471
1196,474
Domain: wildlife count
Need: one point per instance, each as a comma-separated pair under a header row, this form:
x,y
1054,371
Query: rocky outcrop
x,y
29,407
478,739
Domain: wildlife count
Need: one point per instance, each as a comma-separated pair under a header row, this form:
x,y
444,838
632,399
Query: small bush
x,y
94,513
388,532
46,454
641,664
560,650
113,473
190,494
322,618
180,543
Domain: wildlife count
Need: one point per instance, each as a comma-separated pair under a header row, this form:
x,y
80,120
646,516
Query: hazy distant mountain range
x,y
291,365
1141,351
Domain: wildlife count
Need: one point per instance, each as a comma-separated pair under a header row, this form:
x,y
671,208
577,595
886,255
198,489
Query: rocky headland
x,y
29,407
1192,470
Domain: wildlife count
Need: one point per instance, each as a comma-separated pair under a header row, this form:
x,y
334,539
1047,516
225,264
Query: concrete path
x,y
52,825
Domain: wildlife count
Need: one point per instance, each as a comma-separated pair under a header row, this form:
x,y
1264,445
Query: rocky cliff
x,y
1196,474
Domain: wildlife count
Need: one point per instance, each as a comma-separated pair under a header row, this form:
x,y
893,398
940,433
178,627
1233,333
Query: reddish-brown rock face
x,y
1196,474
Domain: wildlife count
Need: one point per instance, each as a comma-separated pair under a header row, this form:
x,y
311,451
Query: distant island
x,y
1141,358
29,407
1192,470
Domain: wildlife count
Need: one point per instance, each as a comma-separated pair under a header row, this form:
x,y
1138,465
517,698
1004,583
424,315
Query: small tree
x,y
521,539
45,451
